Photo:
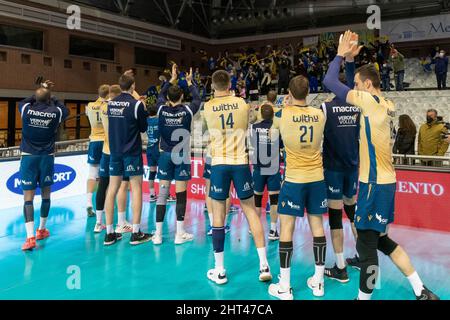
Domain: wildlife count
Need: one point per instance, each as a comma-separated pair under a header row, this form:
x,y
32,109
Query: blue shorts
x,y
153,157
126,166
341,183
104,166
273,182
36,170
223,175
207,171
168,170
95,152
296,197
375,206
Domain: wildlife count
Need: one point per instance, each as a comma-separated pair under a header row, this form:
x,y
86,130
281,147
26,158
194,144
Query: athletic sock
x,y
109,229
121,218
340,262
89,199
136,228
364,296
285,251
273,226
319,248
29,226
218,237
42,223
99,215
180,227
262,254
416,283
159,226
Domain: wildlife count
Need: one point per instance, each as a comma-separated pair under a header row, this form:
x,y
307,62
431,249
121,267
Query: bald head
x,y
42,95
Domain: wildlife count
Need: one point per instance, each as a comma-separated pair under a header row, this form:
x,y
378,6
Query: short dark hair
x,y
433,110
174,93
267,111
125,82
272,96
369,72
299,87
221,80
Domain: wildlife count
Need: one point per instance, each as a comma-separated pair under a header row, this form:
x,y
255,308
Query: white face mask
x,y
385,65
441,54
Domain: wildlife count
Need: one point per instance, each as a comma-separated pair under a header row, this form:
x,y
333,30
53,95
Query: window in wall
x,y
48,61
87,66
148,57
119,69
21,37
3,56
103,68
91,48
26,59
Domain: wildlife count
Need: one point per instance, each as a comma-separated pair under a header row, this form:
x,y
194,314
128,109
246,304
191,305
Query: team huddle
x,y
336,157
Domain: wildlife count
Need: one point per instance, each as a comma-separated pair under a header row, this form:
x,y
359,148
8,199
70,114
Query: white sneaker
x,y
264,274
182,238
157,239
126,227
99,227
316,287
276,291
217,276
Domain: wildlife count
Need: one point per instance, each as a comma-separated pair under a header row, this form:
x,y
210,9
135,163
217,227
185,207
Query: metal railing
x,y
61,148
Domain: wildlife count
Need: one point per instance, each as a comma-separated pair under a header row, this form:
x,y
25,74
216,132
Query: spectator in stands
x,y
440,68
398,62
426,62
385,74
406,137
431,142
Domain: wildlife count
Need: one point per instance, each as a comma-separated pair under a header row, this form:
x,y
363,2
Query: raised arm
x,y
196,99
165,87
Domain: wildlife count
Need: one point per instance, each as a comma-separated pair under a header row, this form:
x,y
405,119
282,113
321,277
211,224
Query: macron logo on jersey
x,y
332,190
32,112
338,109
216,189
380,220
292,205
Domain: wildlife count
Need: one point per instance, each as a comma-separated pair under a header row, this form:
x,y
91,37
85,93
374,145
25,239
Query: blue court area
x,y
179,272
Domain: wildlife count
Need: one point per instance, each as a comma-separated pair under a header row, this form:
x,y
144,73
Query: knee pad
x,y
273,199
335,218
93,171
367,245
350,212
258,200
162,195
386,245
152,175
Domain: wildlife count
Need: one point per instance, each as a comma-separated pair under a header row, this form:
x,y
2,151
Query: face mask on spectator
x,y
385,65
429,119
441,54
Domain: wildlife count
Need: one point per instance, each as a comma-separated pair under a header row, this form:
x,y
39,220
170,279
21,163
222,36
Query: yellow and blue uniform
x,y
227,121
97,137
376,199
104,162
301,128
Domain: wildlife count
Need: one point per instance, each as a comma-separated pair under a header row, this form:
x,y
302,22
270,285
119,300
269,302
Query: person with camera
x,y
432,141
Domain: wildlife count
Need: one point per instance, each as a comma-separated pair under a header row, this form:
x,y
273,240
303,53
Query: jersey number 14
x,y
228,123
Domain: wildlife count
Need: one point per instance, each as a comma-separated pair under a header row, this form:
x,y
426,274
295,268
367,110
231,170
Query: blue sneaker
x,y
209,233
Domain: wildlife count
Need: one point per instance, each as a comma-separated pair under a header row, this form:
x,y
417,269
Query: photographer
x,y
431,137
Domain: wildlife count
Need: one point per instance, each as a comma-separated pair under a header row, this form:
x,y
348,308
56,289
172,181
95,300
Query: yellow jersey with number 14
x,y
376,137
93,112
227,121
301,129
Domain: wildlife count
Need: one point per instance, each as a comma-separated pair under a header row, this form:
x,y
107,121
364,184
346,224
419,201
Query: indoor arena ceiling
x,y
230,18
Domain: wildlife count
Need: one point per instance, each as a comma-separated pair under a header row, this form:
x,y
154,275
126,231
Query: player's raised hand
x,y
189,76
346,44
174,73
48,84
354,39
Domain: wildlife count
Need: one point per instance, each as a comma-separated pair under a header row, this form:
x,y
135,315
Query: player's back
x,y
152,132
227,121
126,122
377,127
301,130
93,112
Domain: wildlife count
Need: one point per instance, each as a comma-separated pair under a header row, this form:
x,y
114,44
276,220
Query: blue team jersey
x,y
174,122
127,119
152,133
266,144
341,135
40,123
